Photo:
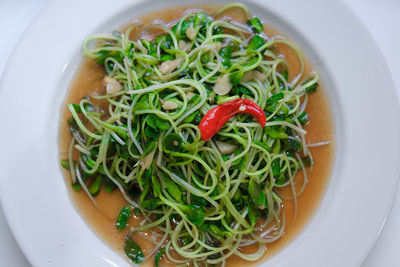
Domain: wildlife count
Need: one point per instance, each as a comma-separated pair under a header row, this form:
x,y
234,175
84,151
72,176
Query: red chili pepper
x,y
216,117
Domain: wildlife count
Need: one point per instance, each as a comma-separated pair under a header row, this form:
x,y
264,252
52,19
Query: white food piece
x,y
242,108
189,95
223,85
169,105
169,66
146,161
225,148
261,76
112,85
182,45
190,33
252,75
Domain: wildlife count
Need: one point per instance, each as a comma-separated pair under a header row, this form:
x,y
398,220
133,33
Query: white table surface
x,y
382,18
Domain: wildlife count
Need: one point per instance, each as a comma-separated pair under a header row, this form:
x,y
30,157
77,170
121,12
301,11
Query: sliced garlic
x,y
189,95
223,85
190,33
252,75
261,76
225,148
169,105
146,161
168,66
112,85
182,45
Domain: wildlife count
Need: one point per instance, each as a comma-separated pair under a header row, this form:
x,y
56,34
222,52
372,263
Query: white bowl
x,y
34,196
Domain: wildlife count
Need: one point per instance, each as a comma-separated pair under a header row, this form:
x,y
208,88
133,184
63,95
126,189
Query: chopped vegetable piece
x,y
133,251
173,190
123,218
194,213
256,42
95,186
158,256
255,25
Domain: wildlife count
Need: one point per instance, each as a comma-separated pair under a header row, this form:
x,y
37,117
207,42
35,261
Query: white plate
x,y
34,196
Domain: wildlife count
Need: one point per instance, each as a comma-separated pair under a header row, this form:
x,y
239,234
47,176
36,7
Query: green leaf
x,y
65,164
306,161
276,148
276,132
95,185
218,231
162,124
150,204
253,214
76,186
191,117
241,90
133,251
158,256
103,54
263,145
185,26
142,103
77,108
197,119
194,213
241,162
185,239
255,25
281,179
276,168
130,50
156,186
109,185
150,132
166,57
151,120
275,98
311,88
237,196
198,201
174,190
236,77
256,42
292,144
149,147
257,194
226,54
172,142
123,218
303,117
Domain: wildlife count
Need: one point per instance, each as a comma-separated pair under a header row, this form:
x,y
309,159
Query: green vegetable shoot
x,y
205,200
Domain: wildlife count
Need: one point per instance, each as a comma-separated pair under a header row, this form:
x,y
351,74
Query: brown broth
x,y
88,79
